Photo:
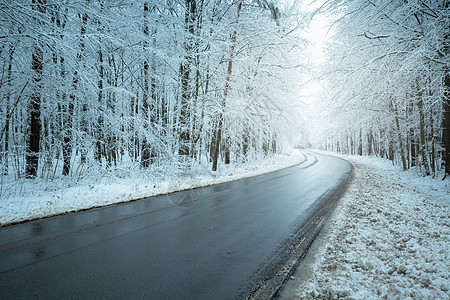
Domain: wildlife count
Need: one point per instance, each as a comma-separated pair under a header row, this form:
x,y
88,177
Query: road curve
x,y
218,242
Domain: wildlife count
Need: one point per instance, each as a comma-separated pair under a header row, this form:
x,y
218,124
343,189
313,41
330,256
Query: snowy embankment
x,y
32,199
389,238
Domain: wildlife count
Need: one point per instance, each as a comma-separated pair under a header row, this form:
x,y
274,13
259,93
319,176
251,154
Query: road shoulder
x,y
27,199
388,237
306,267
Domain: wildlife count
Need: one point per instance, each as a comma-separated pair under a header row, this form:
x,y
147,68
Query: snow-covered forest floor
x,y
31,199
389,238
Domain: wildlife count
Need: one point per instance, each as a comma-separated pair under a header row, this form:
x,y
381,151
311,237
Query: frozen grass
x,y
388,238
31,199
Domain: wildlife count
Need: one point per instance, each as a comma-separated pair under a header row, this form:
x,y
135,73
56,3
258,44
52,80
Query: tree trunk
x,y
399,136
67,136
423,141
433,148
225,93
185,72
370,149
227,155
145,152
100,120
32,157
65,108
84,105
413,148
68,121
10,112
360,146
402,150
446,123
446,103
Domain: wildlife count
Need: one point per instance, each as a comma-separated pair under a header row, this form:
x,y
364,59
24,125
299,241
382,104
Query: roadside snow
x,y
32,199
389,238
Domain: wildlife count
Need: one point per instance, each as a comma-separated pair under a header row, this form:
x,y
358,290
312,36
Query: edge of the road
x,y
285,282
84,210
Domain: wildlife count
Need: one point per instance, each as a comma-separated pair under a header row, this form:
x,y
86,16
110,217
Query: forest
x,y
387,77
149,85
105,85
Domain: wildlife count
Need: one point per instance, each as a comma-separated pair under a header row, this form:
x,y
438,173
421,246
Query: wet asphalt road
x,y
217,242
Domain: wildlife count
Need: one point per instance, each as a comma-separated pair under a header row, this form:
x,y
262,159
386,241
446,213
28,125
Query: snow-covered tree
x,y
387,69
93,84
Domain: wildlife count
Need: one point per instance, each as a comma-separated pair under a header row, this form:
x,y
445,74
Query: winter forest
x,y
98,86
151,84
388,81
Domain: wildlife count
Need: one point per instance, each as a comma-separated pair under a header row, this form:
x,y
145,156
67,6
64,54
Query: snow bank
x,y
389,238
31,199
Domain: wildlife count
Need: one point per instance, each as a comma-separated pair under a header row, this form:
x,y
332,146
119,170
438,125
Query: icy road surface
x,y
217,242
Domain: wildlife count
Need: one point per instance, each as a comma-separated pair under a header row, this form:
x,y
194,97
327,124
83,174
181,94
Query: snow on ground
x,y
389,238
31,199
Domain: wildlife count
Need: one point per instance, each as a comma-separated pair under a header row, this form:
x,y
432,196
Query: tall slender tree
x,y
218,137
32,161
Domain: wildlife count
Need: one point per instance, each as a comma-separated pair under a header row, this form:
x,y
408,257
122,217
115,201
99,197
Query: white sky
x,y
317,34
314,90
